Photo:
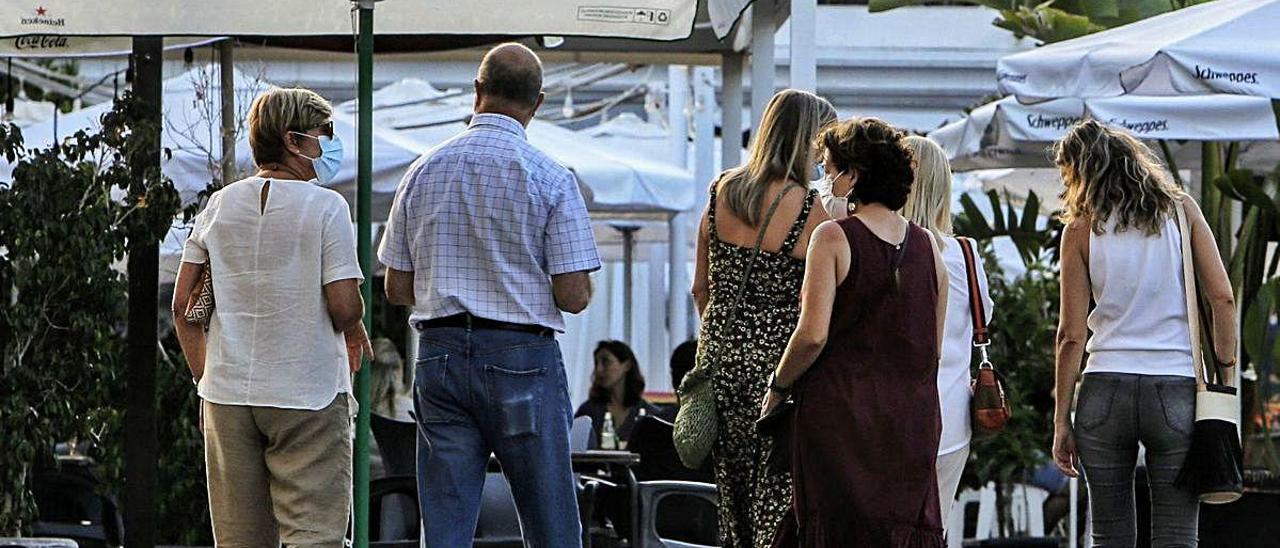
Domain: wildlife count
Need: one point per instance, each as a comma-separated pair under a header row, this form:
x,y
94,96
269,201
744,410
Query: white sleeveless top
x,y
1139,322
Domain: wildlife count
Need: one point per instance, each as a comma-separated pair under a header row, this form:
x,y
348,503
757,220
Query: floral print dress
x,y
743,355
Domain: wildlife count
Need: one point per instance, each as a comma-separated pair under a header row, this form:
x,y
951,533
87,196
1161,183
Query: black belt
x,y
475,322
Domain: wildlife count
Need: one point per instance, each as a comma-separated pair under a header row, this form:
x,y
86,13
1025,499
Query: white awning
x,y
647,19
1227,46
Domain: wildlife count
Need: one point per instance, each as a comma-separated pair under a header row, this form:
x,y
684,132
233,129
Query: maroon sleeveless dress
x,y
867,420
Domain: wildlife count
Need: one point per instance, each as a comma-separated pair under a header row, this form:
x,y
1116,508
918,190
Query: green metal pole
x,y
364,193
1211,195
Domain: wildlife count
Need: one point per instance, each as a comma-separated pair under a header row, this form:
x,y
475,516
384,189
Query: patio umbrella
x,y
613,181
44,45
651,19
1227,46
190,119
657,20
1007,133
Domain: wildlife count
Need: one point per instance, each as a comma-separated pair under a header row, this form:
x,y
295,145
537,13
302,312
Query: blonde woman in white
x,y
929,206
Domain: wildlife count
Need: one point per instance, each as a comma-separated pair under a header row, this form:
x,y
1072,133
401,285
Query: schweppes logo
x,y
1040,121
1207,73
41,17
1140,126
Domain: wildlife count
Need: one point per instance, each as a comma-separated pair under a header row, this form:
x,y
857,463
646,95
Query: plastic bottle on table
x,y
608,434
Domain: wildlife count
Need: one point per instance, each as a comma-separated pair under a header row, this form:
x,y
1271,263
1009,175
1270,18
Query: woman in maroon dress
x,y
864,361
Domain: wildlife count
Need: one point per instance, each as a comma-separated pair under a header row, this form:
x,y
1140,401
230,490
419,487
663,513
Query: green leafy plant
x,y
1255,276
1023,328
183,501
1058,20
65,219
1023,228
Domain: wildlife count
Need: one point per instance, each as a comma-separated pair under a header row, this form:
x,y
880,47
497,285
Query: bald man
x,y
489,241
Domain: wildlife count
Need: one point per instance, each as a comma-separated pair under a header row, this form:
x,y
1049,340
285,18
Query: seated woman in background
x,y
394,430
616,389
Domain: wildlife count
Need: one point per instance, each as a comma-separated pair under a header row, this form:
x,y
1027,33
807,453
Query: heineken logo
x,y
1207,73
1040,121
41,17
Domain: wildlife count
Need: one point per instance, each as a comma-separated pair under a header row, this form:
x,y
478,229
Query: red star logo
x,y
41,11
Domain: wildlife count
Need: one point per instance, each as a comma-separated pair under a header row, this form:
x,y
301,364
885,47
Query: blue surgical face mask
x,y
819,172
330,159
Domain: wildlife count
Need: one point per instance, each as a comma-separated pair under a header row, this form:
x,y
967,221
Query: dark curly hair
x,y
879,154
634,381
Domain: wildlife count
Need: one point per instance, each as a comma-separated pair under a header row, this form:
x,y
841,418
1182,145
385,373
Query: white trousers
x,y
950,466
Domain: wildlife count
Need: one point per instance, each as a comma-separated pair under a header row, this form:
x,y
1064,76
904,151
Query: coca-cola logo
x,y
40,42
41,17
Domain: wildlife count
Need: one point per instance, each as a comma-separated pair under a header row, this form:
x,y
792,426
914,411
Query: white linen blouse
x,y
271,341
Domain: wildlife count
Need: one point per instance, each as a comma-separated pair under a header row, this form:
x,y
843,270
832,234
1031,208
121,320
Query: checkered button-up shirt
x,y
483,221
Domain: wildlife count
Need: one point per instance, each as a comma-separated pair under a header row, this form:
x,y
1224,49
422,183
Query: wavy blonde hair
x,y
783,149
929,204
1111,174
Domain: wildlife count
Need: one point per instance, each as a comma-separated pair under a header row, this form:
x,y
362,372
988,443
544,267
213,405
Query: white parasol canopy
x,y
610,181
649,19
54,46
191,132
1227,46
1007,133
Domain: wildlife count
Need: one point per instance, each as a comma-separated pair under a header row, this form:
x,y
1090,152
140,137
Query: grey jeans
x,y
1114,413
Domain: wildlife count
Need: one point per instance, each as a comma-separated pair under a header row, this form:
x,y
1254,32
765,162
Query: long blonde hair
x,y
929,204
783,149
1109,173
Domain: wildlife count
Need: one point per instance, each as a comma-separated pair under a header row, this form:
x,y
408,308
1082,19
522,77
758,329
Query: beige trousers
x,y
278,475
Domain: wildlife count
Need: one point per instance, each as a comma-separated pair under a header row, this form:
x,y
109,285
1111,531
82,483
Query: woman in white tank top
x,y
929,206
1122,250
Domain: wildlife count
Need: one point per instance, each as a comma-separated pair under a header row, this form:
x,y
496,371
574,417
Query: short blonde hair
x,y
277,112
929,204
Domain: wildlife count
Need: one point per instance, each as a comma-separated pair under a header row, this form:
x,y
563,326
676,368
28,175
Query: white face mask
x,y
837,206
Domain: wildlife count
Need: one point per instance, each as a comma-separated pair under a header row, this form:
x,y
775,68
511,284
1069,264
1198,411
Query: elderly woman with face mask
x,y
273,363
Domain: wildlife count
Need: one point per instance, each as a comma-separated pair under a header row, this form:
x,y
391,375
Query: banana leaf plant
x,y
1030,238
1254,268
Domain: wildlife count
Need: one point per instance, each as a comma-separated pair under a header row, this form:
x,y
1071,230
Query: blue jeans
x,y
479,392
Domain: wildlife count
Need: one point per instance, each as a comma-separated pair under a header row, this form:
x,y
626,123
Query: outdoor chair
x,y
32,542
580,434
677,514
983,505
394,521
71,508
1026,505
393,512
499,524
